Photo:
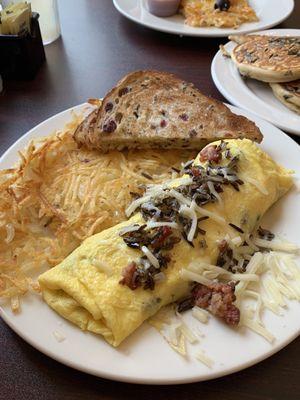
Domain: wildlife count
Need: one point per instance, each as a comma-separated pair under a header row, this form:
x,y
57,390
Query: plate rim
x,y
143,381
123,12
232,98
80,107
126,378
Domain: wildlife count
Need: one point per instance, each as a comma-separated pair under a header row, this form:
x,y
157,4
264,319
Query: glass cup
x,y
48,20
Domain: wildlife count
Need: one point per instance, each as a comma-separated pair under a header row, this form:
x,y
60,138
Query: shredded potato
x,y
202,13
59,195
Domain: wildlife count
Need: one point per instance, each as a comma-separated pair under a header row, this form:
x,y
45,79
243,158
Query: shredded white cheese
x,y
213,191
258,328
276,245
130,228
153,260
250,243
136,203
257,184
252,268
172,333
188,333
200,314
204,359
204,270
102,266
269,280
186,181
59,336
190,213
236,241
191,276
180,197
154,224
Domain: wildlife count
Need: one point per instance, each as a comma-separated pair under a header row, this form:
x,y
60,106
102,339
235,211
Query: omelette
x,y
87,287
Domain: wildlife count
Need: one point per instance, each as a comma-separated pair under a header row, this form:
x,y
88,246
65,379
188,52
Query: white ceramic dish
x,y
253,95
269,12
145,357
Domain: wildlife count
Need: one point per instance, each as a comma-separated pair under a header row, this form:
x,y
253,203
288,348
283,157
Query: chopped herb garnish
x,y
204,186
147,175
157,240
240,230
185,304
265,234
135,195
203,244
176,170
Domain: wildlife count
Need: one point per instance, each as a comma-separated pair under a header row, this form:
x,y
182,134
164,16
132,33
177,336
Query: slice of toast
x,y
150,109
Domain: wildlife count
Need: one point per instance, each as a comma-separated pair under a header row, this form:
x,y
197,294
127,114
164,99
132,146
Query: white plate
x,y
253,95
269,12
145,357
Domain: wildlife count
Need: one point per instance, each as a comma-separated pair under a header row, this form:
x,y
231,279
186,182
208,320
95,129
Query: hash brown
x,y
202,13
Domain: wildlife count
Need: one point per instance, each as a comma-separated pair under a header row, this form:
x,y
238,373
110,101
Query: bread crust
x,y
152,109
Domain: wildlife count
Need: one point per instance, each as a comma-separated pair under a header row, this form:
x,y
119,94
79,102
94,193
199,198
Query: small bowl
x,y
162,8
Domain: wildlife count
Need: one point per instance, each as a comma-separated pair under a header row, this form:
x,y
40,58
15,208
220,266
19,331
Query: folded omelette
x,y
85,287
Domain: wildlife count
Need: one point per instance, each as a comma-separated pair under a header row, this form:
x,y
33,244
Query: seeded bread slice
x,y
150,109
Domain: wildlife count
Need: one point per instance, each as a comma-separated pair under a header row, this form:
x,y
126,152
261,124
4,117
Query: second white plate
x,y
269,12
253,95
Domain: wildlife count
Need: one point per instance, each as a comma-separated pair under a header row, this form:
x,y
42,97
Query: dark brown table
x,y
98,46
